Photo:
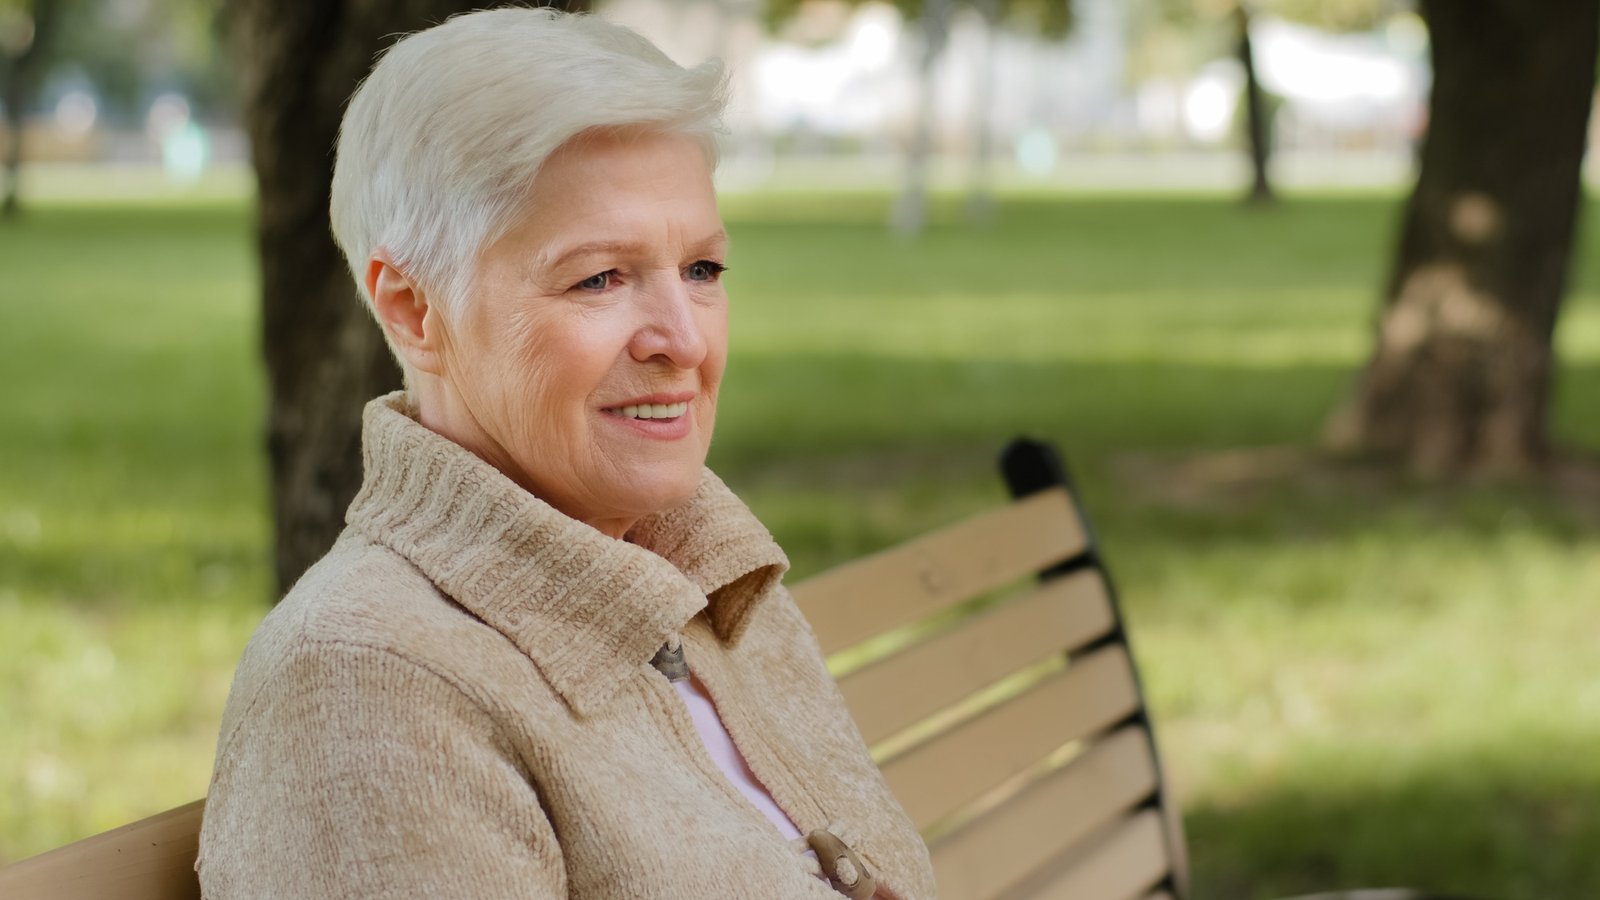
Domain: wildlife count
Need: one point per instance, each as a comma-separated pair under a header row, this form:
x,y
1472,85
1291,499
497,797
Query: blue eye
x,y
597,282
705,270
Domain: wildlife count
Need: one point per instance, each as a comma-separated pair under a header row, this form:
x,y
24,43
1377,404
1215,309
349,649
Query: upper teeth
x,y
652,411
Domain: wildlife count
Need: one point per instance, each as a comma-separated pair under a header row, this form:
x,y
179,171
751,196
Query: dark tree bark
x,y
1461,374
1258,128
298,64
23,66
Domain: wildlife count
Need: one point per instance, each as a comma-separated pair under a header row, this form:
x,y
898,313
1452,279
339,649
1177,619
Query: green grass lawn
x,y
1358,680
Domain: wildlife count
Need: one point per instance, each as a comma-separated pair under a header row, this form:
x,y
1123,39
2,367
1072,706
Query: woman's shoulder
x,y
362,593
364,606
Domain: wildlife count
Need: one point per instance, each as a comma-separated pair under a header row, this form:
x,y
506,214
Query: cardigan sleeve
x,y
356,773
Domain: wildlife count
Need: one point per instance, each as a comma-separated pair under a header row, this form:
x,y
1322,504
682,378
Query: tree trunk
x,y
1258,127
980,195
910,211
16,100
1460,377
24,69
299,63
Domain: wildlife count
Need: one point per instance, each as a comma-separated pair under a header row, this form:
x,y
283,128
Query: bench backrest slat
x,y
1123,863
940,777
151,859
998,849
1060,615
909,582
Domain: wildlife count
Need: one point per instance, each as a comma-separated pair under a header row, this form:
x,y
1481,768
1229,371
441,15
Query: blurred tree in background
x,y
1258,121
1050,18
133,51
1237,15
128,53
1460,378
29,36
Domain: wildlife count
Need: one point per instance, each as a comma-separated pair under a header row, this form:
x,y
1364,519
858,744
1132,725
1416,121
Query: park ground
x,y
1358,679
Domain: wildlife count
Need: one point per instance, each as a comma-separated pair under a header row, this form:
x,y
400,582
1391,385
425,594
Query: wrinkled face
x,y
587,359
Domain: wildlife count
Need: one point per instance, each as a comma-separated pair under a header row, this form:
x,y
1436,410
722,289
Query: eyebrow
x,y
718,238
589,248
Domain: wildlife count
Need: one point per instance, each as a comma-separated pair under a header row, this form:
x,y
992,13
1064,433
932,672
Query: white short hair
x,y
441,142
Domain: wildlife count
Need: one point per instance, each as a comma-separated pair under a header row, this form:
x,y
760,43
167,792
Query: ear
x,y
413,326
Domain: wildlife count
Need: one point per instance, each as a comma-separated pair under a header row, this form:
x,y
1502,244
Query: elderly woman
x,y
551,655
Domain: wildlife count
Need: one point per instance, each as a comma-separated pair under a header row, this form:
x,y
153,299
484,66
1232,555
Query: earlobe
x,y
404,313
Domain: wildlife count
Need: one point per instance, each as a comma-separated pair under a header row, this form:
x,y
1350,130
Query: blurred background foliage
x,y
127,51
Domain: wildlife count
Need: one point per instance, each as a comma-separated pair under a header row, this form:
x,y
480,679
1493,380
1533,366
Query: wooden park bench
x,y
988,668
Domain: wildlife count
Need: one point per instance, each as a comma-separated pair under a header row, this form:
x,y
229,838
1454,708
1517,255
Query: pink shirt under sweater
x,y
728,758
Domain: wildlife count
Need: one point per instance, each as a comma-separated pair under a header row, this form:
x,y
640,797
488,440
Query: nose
x,y
670,329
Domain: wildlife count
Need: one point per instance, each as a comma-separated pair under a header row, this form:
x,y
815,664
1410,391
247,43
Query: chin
x,y
667,491
679,493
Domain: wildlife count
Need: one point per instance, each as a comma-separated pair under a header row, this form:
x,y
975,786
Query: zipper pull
x,y
669,662
841,866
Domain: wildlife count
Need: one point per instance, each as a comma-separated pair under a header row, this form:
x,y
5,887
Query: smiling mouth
x,y
649,411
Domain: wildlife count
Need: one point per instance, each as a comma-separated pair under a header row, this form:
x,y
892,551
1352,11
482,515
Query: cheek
x,y
527,360
715,329
711,373
563,363
475,367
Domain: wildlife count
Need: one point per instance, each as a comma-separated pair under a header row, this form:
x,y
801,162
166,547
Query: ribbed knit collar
x,y
585,607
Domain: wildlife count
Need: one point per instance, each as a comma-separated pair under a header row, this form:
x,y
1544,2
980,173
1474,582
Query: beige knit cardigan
x,y
458,701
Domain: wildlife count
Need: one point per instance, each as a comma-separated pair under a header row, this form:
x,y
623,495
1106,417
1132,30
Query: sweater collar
x,y
588,609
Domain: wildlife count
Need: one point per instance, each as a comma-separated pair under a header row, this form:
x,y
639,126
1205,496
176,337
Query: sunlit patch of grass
x,y
1356,680
110,713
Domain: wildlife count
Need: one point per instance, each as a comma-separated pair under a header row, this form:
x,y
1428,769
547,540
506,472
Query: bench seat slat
x,y
151,859
985,856
893,693
942,775
1122,864
907,583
